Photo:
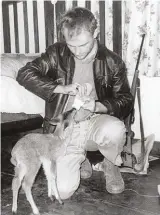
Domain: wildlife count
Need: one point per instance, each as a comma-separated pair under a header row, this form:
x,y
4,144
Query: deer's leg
x,y
20,172
47,170
55,191
51,174
28,182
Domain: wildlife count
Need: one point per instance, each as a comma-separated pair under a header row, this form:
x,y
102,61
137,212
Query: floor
x,y
139,198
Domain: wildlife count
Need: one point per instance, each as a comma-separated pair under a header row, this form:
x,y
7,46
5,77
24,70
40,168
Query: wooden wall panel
x,y
88,4
117,27
60,10
36,33
102,21
26,27
16,27
74,4
6,28
49,22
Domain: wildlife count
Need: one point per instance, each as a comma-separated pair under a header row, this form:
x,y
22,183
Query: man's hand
x,y
71,89
84,89
94,106
90,104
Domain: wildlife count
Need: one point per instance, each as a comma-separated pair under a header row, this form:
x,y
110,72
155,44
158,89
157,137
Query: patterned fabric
x,y
141,17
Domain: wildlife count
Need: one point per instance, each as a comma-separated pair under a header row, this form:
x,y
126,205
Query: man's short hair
x,y
77,19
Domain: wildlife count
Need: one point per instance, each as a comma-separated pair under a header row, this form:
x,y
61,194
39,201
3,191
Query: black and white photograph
x,y
80,107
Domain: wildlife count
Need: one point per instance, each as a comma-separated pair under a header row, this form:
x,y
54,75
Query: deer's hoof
x,y
60,202
36,212
52,198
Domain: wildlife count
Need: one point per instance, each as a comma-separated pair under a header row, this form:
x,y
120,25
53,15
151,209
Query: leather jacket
x,y
56,66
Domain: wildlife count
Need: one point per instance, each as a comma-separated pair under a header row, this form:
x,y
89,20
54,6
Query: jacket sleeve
x,y
34,75
121,102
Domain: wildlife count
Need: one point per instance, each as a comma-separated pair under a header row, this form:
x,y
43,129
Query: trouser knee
x,y
68,174
112,137
66,190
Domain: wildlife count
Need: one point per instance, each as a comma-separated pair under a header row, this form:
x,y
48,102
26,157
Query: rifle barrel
x,y
140,50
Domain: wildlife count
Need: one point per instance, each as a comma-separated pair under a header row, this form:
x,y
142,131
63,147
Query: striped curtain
x,y
31,26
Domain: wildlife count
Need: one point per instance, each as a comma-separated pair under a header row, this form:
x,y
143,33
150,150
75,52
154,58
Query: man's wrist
x,y
59,89
100,108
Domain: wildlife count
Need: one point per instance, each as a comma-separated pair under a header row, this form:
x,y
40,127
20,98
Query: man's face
x,y
80,45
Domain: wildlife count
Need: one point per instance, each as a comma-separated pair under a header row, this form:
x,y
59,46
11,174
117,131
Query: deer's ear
x,y
66,124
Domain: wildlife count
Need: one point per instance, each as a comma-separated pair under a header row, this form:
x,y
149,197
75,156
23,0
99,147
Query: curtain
x,y
138,17
141,17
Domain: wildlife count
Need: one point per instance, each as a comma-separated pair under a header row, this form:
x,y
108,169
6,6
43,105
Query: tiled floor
x,y
139,198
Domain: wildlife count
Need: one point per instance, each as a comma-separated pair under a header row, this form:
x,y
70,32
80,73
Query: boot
x,y
86,169
114,180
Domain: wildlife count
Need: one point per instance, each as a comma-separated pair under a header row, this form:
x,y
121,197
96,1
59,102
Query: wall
x,y
150,107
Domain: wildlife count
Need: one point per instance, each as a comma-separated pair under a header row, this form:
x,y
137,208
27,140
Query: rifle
x,y
129,159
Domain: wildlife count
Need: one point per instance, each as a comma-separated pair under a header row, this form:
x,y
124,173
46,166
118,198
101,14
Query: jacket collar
x,y
101,52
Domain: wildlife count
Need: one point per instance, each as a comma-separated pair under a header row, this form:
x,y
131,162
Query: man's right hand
x,y
71,89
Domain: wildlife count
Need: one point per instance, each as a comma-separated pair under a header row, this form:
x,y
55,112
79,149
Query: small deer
x,y
34,150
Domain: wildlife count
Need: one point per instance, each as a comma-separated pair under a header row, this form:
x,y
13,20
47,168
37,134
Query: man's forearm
x,y
70,89
59,89
100,108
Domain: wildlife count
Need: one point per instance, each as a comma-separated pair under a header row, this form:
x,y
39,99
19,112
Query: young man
x,y
59,74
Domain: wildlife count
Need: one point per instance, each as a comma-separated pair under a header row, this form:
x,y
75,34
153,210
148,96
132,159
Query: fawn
x,y
34,150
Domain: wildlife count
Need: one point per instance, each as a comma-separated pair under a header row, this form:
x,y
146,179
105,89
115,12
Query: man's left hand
x,y
90,105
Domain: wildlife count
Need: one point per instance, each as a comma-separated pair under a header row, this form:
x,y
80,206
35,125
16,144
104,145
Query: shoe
x,y
114,180
86,169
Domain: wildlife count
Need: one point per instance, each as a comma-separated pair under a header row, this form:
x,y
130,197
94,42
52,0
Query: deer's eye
x,y
66,124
